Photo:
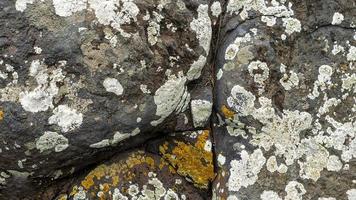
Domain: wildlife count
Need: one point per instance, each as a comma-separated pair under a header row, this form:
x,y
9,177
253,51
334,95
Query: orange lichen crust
x,y
191,160
103,178
1,115
229,114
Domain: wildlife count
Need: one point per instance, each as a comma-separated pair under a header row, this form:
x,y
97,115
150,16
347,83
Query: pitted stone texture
x,y
285,87
95,75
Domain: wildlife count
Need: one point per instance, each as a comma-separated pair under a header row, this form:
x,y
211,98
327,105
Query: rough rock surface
x,y
83,79
178,99
155,174
285,100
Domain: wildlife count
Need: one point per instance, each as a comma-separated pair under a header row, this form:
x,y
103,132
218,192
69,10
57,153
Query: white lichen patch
x,y
221,159
232,197
283,37
270,13
276,9
113,85
281,131
208,146
269,20
153,29
170,97
144,89
101,144
153,189
257,77
80,195
41,98
38,50
334,163
351,194
241,100
349,82
292,25
202,27
133,190
201,111
337,18
215,9
117,195
171,195
294,190
3,177
342,138
51,140
351,55
21,5
66,118
117,138
65,8
272,164
270,195
324,79
337,49
232,50
36,100
315,161
153,32
115,13
244,172
219,74
195,69
328,104
289,82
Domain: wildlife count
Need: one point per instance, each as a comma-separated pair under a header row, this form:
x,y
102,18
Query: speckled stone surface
x,y
178,99
82,80
285,101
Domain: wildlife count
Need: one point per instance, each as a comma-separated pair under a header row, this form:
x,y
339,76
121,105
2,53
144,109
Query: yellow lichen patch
x,y
1,115
115,169
63,197
192,161
202,139
229,114
101,180
74,190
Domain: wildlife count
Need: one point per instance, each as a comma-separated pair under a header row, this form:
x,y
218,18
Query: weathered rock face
x,y
156,174
111,99
81,77
285,98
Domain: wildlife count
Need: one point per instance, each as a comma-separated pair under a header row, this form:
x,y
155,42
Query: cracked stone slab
x,y
178,166
83,79
285,101
133,175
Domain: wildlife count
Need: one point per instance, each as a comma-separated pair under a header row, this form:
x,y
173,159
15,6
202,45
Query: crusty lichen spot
x,y
202,27
228,114
107,181
201,111
113,85
171,96
114,170
244,172
192,161
68,119
52,140
1,115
